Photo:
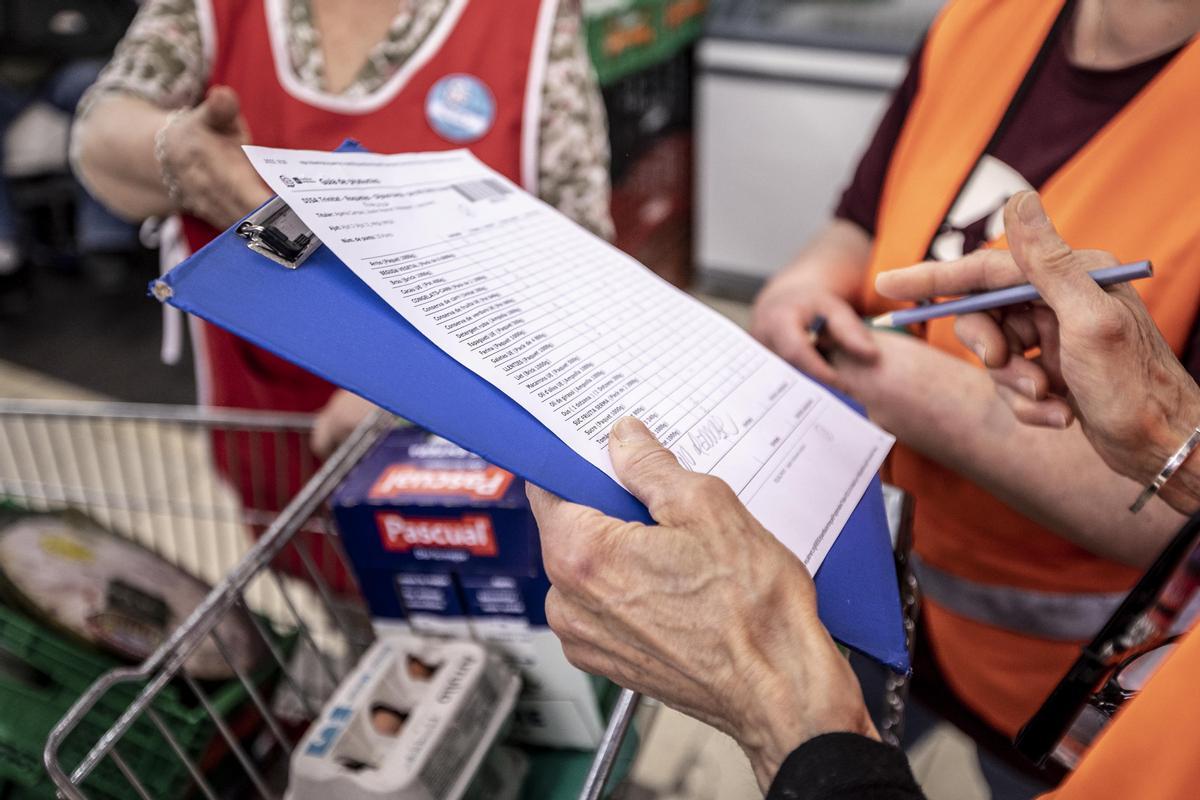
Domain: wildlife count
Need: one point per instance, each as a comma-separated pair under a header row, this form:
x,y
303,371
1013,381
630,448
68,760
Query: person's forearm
x,y
948,410
114,155
836,257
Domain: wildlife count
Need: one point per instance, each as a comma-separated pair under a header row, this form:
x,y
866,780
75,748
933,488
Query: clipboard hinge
x,y
275,231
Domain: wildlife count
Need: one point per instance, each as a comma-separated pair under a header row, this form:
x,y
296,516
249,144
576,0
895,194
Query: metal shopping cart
x,y
168,478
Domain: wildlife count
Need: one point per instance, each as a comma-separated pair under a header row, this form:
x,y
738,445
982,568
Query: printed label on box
x,y
428,593
471,533
493,595
400,480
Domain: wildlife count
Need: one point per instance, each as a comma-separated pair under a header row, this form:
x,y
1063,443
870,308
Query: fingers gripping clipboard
x,y
319,315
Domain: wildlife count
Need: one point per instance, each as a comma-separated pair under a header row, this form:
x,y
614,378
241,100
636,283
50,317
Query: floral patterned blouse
x,y
162,60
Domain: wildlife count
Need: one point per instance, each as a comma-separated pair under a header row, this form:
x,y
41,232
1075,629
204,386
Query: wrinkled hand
x,y
705,611
1086,353
202,154
783,312
336,420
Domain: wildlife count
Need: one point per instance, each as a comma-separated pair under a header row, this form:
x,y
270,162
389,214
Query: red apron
x,y
501,45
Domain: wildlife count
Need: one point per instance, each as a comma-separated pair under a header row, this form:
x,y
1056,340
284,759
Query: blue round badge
x,y
460,108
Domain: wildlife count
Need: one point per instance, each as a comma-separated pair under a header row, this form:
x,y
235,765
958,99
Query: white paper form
x,y
581,334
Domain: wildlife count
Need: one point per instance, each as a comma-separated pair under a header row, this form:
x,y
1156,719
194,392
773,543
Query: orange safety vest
x,y
1133,190
1151,749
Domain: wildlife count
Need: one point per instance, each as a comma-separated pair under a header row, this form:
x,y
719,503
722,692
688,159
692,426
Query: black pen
x,y
817,336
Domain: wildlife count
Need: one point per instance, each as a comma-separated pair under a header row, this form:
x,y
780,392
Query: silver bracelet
x,y
1170,468
160,156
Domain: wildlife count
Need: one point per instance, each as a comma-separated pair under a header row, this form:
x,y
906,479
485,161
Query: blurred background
x,y
734,125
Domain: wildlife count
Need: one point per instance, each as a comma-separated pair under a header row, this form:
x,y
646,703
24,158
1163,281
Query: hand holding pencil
x,y
785,315
1010,295
1084,353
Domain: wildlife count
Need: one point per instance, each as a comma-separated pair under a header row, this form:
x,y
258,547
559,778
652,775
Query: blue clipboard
x,y
323,318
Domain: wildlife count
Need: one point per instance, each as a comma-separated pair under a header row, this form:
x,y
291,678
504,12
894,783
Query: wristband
x,y
1170,468
174,193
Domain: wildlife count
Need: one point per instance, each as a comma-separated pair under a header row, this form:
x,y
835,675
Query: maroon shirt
x,y
1062,108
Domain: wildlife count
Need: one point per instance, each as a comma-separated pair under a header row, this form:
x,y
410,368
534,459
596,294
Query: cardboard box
x,y
443,543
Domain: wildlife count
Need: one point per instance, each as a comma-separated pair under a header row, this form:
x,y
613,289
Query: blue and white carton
x,y
444,543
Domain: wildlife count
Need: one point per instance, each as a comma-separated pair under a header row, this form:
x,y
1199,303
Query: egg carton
x,y
414,721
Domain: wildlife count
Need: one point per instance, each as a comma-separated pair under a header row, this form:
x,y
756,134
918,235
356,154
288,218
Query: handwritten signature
x,y
705,437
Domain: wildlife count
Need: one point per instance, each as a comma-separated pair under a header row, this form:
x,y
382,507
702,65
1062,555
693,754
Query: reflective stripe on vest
x,y
1059,616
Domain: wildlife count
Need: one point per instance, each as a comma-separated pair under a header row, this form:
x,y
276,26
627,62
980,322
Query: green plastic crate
x,y
641,34
57,672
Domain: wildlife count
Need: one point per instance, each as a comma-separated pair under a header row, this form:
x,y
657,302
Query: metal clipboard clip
x,y
275,231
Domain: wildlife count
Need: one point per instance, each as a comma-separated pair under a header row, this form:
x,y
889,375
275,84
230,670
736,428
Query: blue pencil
x,y
1013,295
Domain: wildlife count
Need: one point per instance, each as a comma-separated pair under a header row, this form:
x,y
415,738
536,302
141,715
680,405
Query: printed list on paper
x,y
580,334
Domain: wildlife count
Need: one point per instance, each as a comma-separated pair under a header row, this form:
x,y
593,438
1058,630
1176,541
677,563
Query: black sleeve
x,y
860,201
845,766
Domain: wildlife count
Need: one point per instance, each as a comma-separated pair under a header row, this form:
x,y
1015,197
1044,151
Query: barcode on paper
x,y
485,189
